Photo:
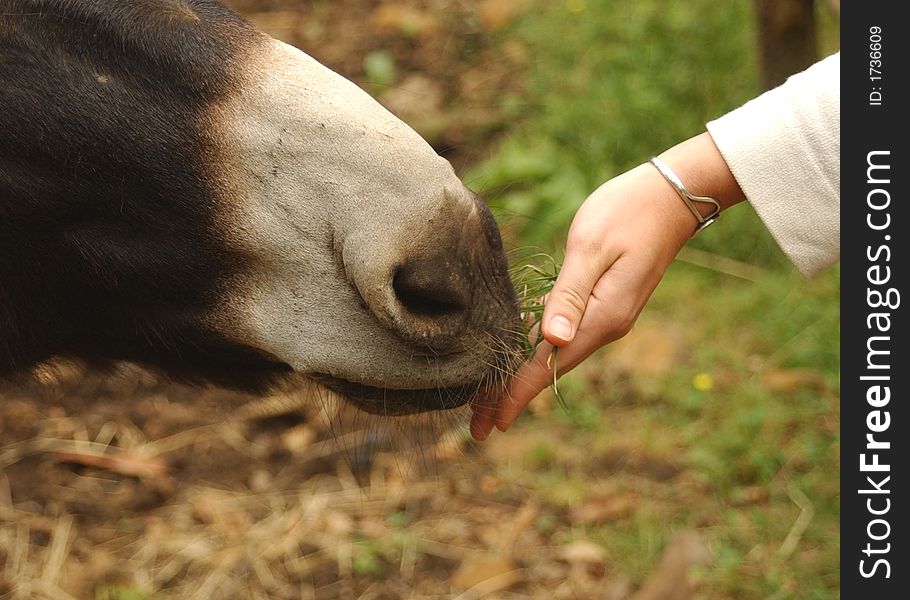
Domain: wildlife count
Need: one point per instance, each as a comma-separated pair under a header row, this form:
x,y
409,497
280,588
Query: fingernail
x,y
561,328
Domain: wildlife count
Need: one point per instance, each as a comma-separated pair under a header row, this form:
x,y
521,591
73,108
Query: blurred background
x,y
697,458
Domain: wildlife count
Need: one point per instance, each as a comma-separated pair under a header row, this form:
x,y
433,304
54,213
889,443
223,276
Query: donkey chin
x,y
180,190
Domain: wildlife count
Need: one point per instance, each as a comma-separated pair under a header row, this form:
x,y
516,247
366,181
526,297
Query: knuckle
x,y
570,298
584,240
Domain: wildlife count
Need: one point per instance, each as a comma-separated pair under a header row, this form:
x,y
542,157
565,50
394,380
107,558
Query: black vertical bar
x,y
874,231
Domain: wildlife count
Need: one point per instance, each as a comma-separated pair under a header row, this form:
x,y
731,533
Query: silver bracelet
x,y
689,198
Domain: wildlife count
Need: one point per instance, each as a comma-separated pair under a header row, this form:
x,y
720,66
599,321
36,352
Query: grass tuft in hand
x,y
533,276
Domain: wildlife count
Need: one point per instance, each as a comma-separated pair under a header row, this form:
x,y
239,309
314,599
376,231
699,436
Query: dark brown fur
x,y
109,247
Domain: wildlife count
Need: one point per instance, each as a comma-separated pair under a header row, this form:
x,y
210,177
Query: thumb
x,y
567,300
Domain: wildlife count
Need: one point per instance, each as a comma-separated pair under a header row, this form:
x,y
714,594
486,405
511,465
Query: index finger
x,y
531,378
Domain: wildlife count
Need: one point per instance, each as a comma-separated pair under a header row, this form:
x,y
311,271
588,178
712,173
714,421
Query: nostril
x,y
427,291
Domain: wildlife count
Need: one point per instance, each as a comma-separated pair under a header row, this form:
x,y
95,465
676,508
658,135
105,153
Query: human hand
x,y
619,245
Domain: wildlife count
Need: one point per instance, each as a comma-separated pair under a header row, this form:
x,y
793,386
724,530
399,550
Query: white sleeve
x,y
784,151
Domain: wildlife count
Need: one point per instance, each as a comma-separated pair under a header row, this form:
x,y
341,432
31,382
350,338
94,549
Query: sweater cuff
x,y
783,148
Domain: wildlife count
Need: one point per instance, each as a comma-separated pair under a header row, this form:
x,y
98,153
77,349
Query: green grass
x,y
118,592
609,86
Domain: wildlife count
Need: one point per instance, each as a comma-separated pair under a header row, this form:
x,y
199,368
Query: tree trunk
x,y
787,42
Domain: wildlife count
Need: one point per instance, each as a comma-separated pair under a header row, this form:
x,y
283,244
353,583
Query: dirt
x,y
450,71
123,483
276,506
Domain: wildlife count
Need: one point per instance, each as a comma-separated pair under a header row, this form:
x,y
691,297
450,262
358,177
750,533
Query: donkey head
x,y
181,190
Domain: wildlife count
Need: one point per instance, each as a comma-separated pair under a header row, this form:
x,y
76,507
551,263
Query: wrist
x,y
700,166
695,203
677,222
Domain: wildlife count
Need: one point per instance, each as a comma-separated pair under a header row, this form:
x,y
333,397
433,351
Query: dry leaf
x,y
228,520
481,568
298,438
143,468
603,510
753,494
403,19
496,14
670,578
583,551
652,350
640,462
788,380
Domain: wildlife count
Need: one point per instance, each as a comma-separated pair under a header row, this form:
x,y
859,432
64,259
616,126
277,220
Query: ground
x,y
698,457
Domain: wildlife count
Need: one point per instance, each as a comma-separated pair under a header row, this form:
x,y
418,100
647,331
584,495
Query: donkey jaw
x,y
396,402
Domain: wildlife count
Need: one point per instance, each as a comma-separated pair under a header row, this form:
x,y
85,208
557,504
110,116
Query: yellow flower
x,y
575,6
703,382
